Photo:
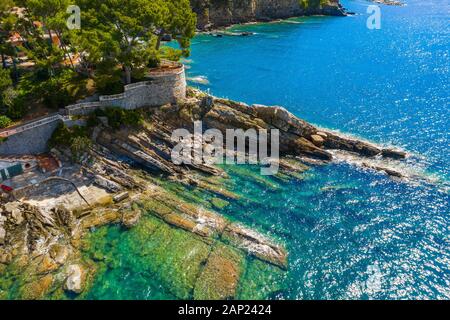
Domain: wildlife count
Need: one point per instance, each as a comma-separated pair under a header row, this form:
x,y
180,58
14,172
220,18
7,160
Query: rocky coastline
x,y
43,231
213,14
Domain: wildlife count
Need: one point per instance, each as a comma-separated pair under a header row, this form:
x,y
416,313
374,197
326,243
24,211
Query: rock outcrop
x,y
45,245
210,225
219,13
74,282
151,145
41,251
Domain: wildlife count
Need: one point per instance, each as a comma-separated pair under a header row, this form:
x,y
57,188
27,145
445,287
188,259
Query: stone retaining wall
x,y
31,141
159,89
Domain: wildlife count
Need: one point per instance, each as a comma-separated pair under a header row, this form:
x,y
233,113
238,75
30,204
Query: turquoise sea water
x,y
350,233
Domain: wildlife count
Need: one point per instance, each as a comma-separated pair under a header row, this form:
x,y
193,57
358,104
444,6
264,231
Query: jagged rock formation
x,y
41,251
46,250
46,245
219,13
74,282
151,145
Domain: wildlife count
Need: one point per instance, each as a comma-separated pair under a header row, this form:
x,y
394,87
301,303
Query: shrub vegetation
x,y
118,117
4,122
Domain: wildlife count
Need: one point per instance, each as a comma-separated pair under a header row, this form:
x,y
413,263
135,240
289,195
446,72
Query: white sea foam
x,y
412,170
292,21
199,79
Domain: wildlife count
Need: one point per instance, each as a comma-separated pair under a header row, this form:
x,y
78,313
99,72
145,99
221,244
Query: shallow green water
x,y
157,261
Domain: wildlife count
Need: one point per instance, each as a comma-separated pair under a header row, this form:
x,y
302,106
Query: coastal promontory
x,y
220,13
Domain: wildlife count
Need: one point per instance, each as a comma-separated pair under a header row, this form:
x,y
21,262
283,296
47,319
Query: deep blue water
x,y
351,233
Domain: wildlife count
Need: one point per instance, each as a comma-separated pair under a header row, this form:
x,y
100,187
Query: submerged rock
x,y
392,173
388,171
37,289
394,154
256,244
219,203
220,277
130,217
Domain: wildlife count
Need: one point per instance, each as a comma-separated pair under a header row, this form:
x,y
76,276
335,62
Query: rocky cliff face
x,y
219,13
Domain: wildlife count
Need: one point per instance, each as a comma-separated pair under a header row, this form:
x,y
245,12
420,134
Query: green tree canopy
x,y
128,33
53,15
5,80
38,37
7,22
5,86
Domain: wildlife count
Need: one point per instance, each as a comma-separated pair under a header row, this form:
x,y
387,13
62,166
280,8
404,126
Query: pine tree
x,y
128,33
7,21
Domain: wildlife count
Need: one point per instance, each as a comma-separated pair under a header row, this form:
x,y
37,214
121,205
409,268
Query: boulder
x,y
362,148
14,209
17,217
317,140
59,253
109,185
74,282
5,256
131,217
121,196
282,119
302,146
